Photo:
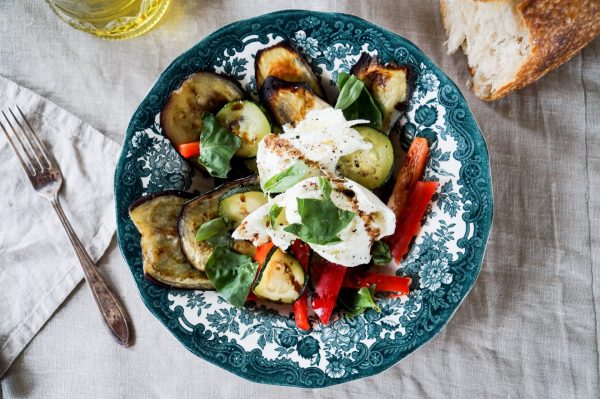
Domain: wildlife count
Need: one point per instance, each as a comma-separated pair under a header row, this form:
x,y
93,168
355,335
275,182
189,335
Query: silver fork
x,y
44,174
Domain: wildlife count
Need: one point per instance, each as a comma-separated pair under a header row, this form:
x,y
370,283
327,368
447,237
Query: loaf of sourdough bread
x,y
511,43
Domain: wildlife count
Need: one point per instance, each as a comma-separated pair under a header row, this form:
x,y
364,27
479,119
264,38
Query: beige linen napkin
x,y
38,267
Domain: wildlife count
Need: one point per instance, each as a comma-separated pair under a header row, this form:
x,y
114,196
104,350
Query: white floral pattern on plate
x,y
261,343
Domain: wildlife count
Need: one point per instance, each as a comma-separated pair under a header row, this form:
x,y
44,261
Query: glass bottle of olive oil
x,y
113,19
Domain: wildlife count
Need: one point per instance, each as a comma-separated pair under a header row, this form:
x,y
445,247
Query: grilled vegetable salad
x,y
307,230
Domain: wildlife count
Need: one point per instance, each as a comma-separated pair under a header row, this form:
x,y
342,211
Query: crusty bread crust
x,y
559,29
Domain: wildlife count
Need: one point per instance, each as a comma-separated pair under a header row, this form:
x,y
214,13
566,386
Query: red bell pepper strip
x,y
260,256
189,150
251,297
383,282
409,223
301,311
327,288
262,251
301,252
408,175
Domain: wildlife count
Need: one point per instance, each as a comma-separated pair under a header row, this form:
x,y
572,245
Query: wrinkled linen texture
x,y
38,269
527,329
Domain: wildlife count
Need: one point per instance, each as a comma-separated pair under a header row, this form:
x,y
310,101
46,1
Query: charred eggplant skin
x,y
197,211
251,180
390,85
289,102
283,61
155,217
141,200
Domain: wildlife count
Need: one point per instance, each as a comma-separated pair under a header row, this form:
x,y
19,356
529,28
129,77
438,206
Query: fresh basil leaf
x,y
286,179
356,302
355,103
325,187
342,78
365,108
217,146
381,253
321,219
215,232
369,110
349,93
274,214
232,274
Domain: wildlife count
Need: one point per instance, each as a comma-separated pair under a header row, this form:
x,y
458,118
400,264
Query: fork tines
x,y
28,147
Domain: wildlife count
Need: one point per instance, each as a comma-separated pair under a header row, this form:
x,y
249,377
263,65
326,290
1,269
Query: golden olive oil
x,y
113,19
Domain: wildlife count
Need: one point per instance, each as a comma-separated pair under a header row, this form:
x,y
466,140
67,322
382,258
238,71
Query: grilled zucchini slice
x,y
198,211
281,279
247,121
284,62
155,217
181,117
370,168
290,102
388,84
239,202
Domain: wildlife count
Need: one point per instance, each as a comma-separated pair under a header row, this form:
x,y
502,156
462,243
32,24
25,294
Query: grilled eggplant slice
x,y
155,217
388,84
284,62
199,211
290,102
181,117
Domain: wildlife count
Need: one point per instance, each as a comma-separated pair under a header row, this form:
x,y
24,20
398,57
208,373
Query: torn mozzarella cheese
x,y
372,221
320,140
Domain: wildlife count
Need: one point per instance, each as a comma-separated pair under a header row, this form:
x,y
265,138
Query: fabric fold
x,y
38,268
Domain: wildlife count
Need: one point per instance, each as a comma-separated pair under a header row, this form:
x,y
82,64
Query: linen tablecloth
x,y
529,328
34,255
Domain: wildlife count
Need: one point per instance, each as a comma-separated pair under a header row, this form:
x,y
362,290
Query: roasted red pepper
x,y
189,150
382,282
262,251
260,256
301,252
409,223
408,175
251,297
328,281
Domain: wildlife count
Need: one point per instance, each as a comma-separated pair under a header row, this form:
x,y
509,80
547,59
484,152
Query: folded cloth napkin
x,y
38,267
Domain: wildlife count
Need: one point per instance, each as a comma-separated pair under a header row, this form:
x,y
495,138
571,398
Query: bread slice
x,y
511,43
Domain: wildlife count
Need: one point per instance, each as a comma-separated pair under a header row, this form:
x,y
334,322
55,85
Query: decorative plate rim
x,y
484,226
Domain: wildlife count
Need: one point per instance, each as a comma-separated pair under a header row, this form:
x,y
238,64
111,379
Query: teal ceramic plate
x,y
261,343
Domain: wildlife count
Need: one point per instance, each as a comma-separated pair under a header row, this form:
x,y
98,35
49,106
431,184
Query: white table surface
x,y
529,328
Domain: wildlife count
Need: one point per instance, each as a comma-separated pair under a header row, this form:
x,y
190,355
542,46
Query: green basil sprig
x,y
286,179
381,253
274,214
356,302
217,146
216,232
232,274
321,219
350,90
356,102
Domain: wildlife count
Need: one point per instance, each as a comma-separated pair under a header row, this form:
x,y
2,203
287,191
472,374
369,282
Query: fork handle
x,y
109,305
